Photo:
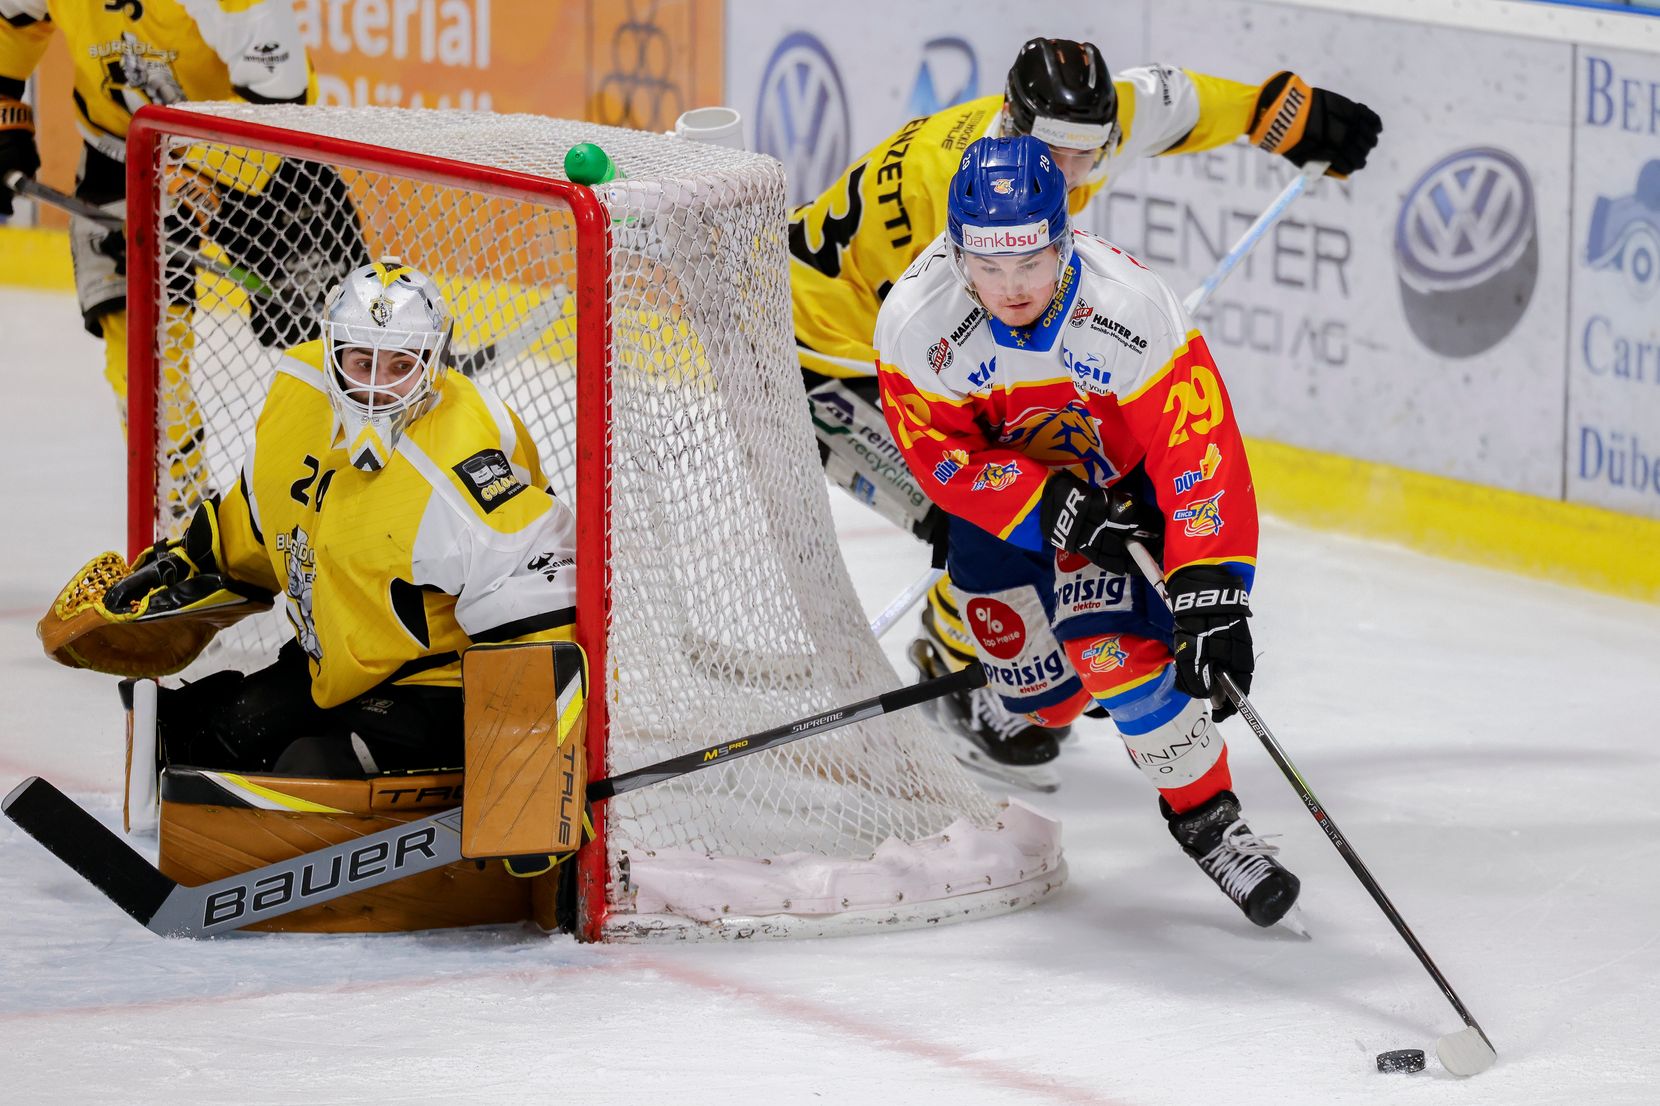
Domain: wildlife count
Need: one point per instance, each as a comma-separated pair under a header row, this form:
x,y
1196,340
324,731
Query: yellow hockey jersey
x,y
389,575
128,53
848,246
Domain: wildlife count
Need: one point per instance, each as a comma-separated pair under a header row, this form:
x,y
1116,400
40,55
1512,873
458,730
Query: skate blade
x,y
1041,778
1295,921
1466,1052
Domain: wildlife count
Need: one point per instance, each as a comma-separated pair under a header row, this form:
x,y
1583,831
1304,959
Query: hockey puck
x,y
1406,1060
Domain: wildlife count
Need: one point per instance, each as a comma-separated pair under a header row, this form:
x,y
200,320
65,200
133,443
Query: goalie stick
x,y
1465,1052
170,909
537,319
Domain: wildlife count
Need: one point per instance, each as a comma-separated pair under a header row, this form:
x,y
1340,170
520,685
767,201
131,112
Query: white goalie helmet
x,y
386,330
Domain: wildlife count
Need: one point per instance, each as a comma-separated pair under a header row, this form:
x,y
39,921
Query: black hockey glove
x,y
17,145
154,585
1304,124
1095,522
1210,607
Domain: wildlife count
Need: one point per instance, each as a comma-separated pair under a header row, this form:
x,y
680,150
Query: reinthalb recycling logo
x,y
802,117
1467,247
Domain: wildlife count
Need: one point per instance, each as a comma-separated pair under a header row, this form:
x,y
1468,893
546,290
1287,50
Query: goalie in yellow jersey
x,y
399,512
849,246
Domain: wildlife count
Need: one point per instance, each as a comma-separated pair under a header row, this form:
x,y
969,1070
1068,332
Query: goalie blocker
x,y
523,803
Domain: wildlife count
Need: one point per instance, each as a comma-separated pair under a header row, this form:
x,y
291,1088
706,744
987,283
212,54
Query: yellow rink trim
x,y
36,259
1565,543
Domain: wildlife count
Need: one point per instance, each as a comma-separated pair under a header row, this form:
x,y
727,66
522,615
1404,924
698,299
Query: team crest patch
x,y
488,476
1003,186
939,356
380,310
1081,313
1106,655
1203,518
996,477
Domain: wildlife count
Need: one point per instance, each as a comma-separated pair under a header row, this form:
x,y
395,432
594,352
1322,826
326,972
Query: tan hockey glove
x,y
153,618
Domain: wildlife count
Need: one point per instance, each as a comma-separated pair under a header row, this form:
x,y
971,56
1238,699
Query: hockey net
x,y
642,332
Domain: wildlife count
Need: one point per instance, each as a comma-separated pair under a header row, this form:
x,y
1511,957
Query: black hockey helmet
x,y
1061,82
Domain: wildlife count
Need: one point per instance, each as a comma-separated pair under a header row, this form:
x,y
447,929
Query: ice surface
x,y
1487,743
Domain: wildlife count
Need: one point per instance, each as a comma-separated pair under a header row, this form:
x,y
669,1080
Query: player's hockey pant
x,y
267,721
1055,633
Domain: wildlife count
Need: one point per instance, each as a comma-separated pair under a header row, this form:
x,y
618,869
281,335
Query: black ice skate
x,y
985,736
1240,862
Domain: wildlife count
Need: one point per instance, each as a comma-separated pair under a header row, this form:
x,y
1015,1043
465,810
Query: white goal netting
x,y
726,607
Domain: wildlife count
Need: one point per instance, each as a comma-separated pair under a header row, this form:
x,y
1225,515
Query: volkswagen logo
x,y
802,117
1466,246
949,74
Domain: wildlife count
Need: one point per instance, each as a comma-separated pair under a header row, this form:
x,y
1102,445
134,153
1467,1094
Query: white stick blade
x,y
1465,1052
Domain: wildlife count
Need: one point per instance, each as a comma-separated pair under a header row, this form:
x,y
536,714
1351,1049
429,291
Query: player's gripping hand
x,y
1304,124
1095,522
17,146
1210,607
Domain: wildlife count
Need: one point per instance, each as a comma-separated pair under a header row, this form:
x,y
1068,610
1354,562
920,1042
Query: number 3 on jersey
x,y
301,488
1198,395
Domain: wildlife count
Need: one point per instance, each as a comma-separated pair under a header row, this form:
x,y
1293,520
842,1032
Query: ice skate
x,y
1240,862
988,738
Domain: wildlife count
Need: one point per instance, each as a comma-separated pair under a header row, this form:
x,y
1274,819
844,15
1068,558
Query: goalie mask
x,y
386,331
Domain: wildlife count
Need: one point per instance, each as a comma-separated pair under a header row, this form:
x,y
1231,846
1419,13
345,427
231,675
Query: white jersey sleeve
x,y
259,43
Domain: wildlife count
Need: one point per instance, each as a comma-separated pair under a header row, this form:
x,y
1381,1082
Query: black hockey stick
x,y
1466,1052
27,186
170,909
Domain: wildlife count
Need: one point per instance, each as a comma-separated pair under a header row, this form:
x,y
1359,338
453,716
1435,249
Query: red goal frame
x,y
150,125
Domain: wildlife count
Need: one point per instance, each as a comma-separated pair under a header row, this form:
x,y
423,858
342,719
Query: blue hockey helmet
x,y
1007,197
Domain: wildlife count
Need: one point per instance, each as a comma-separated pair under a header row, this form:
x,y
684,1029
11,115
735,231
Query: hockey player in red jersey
x,y
849,246
1053,397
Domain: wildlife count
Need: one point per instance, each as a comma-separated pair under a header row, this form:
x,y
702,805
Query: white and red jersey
x,y
1112,374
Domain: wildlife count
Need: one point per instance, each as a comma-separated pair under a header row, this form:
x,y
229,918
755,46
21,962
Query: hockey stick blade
x,y
86,845
170,909
1467,1052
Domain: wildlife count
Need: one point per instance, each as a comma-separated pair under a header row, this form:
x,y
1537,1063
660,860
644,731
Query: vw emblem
x,y
1466,247
949,74
1469,216
802,117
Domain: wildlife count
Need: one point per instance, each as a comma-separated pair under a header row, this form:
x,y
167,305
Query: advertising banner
x,y
635,63
1613,447
1413,315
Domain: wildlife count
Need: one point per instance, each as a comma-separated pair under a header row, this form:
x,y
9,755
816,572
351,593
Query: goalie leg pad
x,y
526,763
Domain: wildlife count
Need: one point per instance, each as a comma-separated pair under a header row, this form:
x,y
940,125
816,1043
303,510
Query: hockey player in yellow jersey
x,y
399,513
132,53
849,246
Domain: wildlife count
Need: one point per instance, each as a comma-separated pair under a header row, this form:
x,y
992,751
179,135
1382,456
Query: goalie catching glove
x,y
153,618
